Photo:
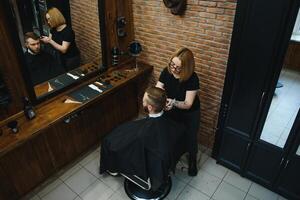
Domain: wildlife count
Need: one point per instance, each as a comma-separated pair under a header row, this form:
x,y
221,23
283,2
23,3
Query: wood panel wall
x,y
10,67
114,9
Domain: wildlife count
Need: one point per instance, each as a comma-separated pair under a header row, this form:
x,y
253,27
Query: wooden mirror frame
x,y
21,59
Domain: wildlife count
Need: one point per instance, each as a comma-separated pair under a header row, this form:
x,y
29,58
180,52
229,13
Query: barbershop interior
x,y
149,100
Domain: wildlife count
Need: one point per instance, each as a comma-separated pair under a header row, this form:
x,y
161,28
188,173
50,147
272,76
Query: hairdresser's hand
x,y
170,104
46,39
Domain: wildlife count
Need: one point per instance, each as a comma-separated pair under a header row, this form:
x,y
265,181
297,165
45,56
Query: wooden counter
x,y
61,132
43,88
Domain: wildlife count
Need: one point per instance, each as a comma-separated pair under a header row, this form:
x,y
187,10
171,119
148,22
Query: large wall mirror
x,y
59,42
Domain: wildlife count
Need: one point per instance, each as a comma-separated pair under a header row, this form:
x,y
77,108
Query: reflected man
x,y
42,65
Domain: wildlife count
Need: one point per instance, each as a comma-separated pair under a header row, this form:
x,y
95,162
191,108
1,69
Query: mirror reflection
x,y
56,42
286,99
284,107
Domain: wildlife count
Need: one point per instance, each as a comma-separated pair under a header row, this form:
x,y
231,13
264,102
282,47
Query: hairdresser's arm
x,y
188,102
62,48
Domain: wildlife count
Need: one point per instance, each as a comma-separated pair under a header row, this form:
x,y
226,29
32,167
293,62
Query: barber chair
x,y
279,85
148,178
138,188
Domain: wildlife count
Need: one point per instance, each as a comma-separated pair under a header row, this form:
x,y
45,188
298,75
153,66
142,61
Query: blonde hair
x,y
187,63
156,97
56,17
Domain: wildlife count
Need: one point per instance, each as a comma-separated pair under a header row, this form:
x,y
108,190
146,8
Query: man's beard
x,y
36,51
146,110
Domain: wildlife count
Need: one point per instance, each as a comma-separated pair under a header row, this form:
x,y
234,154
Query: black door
x,y
288,180
262,30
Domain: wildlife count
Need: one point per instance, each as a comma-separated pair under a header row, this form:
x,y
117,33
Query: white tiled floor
x,y
81,181
283,109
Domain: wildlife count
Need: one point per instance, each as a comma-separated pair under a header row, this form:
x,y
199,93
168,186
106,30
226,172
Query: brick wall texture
x,y
206,29
85,23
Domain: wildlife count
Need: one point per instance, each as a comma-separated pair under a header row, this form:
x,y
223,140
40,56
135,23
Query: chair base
x,y
279,85
137,193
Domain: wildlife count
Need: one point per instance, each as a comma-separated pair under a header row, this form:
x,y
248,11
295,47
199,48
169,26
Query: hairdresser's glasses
x,y
175,67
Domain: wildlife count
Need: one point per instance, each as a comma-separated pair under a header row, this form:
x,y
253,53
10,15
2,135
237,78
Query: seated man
x,y
42,66
148,148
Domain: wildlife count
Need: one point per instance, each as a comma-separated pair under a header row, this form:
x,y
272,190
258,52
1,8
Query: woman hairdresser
x,y
182,84
62,38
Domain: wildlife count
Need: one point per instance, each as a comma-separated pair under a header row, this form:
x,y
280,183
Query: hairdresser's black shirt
x,y
176,89
67,35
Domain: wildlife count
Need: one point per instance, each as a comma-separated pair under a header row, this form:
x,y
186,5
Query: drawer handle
x,y
67,120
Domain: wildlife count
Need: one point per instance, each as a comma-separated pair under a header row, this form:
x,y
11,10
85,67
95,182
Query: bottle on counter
x,y
28,109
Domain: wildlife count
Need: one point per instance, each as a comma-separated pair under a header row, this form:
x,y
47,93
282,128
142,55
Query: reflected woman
x,y
62,38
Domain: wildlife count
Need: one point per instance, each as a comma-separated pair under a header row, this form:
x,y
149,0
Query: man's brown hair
x,y
187,63
31,35
156,97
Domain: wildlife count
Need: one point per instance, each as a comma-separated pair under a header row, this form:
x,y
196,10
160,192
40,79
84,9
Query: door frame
x,y
242,11
275,63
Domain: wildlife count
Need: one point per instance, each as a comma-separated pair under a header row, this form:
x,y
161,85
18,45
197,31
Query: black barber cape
x,y
42,67
148,147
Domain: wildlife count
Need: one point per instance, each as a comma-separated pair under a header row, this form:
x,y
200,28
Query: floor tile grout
x,y
236,186
248,189
219,184
181,191
187,183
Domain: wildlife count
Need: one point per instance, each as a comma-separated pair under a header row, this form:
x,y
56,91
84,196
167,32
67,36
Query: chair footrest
x,y
133,191
144,184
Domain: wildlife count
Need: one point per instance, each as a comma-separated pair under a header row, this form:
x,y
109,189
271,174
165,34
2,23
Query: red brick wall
x,y
206,29
85,23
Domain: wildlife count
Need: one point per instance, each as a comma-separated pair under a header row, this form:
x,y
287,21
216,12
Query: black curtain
x,y
26,15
